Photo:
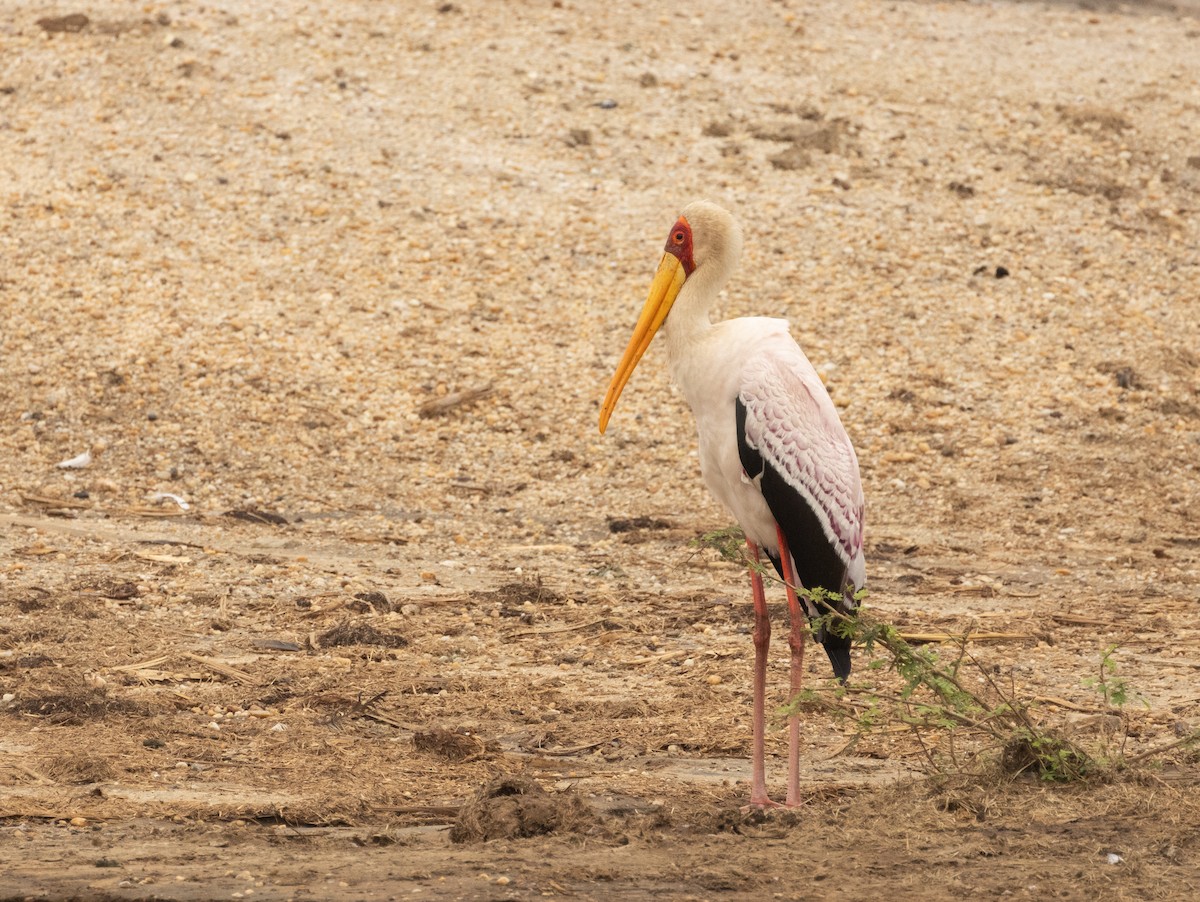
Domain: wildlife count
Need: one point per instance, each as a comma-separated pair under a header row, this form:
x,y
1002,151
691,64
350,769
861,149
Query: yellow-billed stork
x,y
772,448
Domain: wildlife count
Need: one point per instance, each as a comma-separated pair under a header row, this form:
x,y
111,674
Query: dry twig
x,y
447,403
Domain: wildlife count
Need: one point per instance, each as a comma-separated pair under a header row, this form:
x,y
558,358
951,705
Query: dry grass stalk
x,y
447,403
49,501
149,669
922,638
217,667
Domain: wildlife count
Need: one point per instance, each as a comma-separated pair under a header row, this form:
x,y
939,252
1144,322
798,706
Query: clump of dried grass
x,y
78,768
350,633
517,807
74,707
449,745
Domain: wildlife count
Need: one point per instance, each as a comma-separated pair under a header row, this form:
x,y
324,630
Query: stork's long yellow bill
x,y
663,291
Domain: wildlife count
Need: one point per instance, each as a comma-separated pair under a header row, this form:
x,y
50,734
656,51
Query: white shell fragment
x,y
160,497
76,463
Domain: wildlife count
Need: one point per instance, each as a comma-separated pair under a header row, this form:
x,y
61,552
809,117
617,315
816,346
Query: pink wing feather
x,y
792,424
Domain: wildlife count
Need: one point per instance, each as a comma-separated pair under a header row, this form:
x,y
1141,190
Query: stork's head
x,y
704,242
716,236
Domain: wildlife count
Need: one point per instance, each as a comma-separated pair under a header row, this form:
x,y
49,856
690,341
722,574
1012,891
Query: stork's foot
x,y
768,805
761,805
760,801
769,817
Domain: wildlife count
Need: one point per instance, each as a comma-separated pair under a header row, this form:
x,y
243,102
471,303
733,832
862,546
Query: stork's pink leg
x,y
799,629
762,639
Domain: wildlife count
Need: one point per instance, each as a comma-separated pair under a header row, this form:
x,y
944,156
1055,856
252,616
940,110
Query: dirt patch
x,y
71,24
523,593
1092,116
265,518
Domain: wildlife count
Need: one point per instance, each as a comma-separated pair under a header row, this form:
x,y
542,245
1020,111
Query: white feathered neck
x,y
716,250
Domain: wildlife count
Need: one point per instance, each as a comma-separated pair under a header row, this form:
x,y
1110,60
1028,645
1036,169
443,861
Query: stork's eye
x,y
678,237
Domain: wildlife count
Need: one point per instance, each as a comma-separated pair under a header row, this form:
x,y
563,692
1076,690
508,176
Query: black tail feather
x,y
838,649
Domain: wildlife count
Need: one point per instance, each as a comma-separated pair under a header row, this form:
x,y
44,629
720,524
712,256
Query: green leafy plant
x,y
932,695
1110,685
729,543
949,696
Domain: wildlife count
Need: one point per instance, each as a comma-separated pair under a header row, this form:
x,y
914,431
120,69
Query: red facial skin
x,y
679,244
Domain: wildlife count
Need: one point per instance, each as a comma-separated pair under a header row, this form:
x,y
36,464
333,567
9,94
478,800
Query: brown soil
x,y
348,281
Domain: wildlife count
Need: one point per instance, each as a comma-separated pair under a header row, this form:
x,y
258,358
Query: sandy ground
x,y
349,280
